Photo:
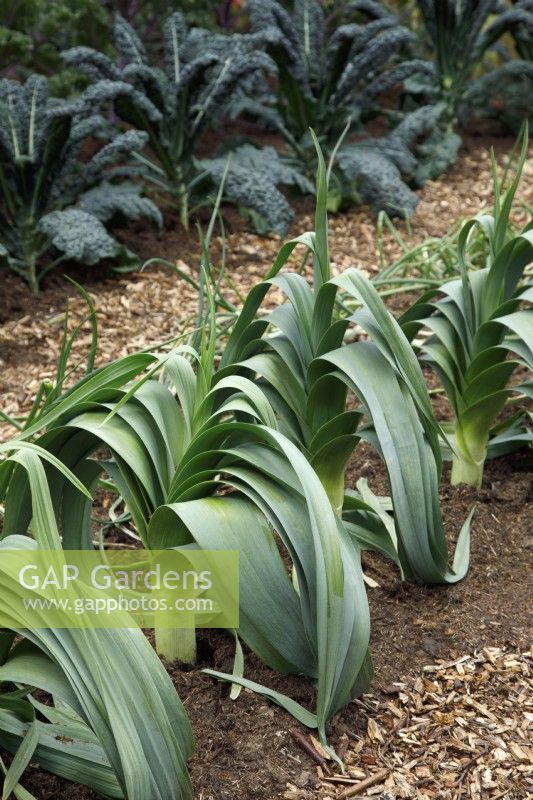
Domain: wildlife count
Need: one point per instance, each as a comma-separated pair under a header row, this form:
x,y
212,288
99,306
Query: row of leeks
x,y
171,461
241,453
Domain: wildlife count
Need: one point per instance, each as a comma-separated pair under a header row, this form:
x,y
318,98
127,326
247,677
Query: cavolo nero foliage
x,y
200,82
256,172
463,40
51,200
332,78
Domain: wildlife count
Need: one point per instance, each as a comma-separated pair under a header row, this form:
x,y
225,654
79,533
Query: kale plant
x,y
521,31
379,166
327,77
51,200
256,172
459,37
335,78
202,80
504,94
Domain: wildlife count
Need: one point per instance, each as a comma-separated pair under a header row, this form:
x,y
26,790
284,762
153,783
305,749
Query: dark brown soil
x,y
413,625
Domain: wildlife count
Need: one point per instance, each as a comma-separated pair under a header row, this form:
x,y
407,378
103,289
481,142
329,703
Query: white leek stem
x,y
176,644
466,472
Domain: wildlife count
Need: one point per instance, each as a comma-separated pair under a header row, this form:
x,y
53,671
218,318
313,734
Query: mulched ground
x,y
139,310
460,729
456,729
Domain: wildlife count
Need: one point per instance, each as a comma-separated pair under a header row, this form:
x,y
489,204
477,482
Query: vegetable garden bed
x,y
140,309
265,497
247,748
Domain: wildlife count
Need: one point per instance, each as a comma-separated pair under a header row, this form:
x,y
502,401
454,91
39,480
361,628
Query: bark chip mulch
x,y
141,309
461,729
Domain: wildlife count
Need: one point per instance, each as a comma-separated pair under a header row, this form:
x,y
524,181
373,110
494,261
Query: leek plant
x,y
200,461
297,356
251,453
177,447
481,332
116,723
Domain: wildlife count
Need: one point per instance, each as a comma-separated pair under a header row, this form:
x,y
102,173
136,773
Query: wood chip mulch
x,y
139,310
460,731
